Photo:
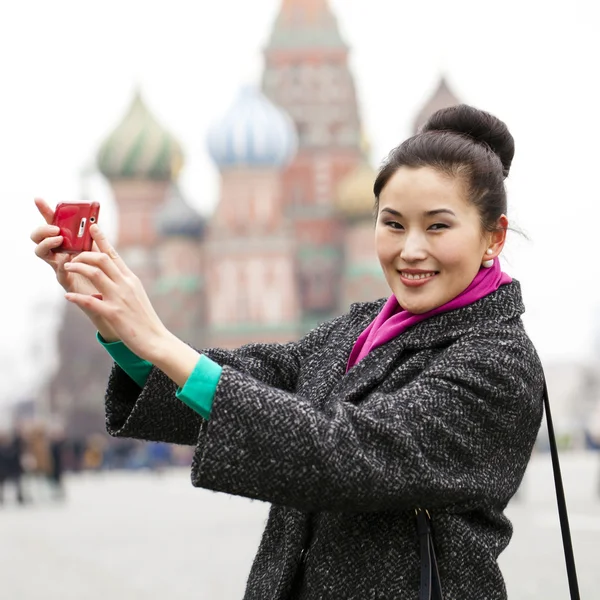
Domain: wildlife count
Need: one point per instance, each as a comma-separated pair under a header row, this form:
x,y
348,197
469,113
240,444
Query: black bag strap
x,y
562,503
431,587
430,580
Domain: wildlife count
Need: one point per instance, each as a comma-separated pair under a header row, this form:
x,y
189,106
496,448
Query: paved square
x,y
143,536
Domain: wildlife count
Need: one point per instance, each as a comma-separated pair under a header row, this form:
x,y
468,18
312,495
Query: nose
x,y
414,248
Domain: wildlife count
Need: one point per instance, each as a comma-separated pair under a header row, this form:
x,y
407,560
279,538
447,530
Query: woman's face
x,y
429,238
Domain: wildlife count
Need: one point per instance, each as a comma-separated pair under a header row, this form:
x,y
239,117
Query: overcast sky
x,y
68,70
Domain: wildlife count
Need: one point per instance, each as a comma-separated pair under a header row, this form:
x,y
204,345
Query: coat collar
x,y
504,304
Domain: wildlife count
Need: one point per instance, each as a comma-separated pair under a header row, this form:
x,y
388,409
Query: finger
x,y
100,260
105,247
45,209
89,303
44,231
44,249
95,274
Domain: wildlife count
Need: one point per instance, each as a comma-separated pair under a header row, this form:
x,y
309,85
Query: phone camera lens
x,y
92,219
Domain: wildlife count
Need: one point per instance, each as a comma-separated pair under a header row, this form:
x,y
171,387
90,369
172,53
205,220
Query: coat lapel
x,y
438,331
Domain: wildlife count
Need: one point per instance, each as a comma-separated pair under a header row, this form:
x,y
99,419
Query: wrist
x,y
106,331
158,347
173,357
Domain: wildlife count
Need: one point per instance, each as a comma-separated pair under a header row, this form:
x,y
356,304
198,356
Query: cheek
x,y
453,254
458,250
385,247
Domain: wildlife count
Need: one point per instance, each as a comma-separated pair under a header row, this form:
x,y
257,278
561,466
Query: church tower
x,y
138,159
442,97
307,74
249,249
363,279
179,292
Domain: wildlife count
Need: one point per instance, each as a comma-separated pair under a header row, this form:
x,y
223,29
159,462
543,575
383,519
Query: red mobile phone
x,y
74,220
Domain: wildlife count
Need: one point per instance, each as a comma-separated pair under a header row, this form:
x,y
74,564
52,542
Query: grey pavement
x,y
142,536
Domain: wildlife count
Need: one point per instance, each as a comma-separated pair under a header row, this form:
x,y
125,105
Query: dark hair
x,y
463,142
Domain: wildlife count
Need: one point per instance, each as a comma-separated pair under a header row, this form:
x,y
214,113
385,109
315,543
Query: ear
x,y
496,240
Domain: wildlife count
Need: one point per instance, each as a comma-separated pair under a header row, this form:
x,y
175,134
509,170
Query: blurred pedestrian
x,y
77,446
159,456
593,435
38,460
406,414
58,447
11,466
93,456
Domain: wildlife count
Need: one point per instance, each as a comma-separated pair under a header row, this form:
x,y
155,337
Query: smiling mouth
x,y
417,276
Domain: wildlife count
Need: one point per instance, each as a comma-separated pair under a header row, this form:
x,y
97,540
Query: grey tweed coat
x,y
443,417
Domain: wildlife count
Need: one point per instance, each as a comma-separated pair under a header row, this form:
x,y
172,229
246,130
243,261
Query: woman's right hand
x,y
46,237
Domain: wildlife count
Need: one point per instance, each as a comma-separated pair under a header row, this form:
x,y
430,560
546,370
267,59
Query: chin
x,y
419,310
414,307
419,305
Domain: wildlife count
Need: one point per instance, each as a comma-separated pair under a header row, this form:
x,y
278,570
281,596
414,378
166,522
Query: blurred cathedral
x,y
290,242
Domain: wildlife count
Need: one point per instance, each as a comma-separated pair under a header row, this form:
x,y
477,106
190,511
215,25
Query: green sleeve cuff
x,y
198,391
137,368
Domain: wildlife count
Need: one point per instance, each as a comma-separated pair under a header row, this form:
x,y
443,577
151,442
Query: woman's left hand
x,y
124,303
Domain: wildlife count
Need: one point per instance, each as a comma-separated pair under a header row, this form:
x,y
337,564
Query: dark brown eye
x,y
394,225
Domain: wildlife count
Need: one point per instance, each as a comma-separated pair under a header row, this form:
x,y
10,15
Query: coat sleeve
x,y
154,413
461,433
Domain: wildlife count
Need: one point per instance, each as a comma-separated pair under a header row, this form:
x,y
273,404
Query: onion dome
x,y
443,97
354,197
177,218
139,148
253,133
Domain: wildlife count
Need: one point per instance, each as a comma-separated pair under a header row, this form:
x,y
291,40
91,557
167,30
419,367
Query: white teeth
x,y
417,275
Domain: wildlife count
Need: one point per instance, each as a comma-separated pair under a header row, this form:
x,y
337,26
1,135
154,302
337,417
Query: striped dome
x,y
139,148
253,133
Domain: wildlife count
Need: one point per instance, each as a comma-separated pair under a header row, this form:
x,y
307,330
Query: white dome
x,y
253,133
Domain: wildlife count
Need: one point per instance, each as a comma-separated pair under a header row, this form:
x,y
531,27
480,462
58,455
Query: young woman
x,y
431,399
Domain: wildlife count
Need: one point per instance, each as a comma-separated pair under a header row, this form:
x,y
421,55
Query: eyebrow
x,y
429,213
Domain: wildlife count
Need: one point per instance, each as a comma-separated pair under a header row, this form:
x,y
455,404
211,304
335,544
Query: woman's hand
x,y
47,237
122,303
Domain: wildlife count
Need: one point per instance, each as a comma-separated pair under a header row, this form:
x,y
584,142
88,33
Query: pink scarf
x,y
392,320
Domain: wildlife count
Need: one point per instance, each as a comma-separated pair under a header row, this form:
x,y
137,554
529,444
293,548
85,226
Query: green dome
x,y
140,148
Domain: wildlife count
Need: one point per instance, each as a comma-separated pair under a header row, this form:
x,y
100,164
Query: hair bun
x,y
479,125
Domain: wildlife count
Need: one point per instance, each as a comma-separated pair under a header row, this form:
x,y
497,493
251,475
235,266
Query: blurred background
x,y
233,148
